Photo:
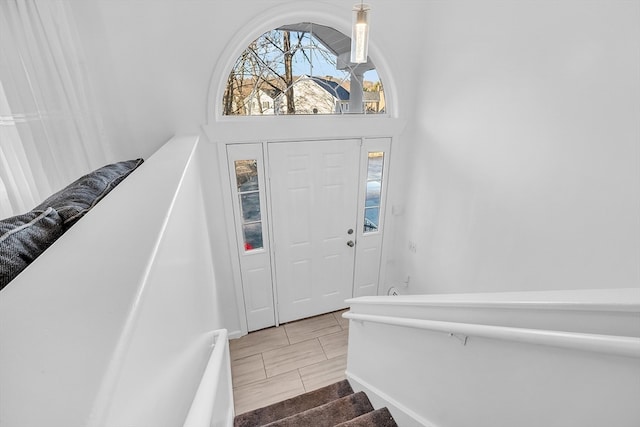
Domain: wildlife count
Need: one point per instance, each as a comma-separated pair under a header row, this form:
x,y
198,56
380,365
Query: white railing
x,y
213,403
563,359
613,345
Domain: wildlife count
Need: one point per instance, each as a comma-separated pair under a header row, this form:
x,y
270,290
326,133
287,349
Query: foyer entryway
x,y
308,221
275,364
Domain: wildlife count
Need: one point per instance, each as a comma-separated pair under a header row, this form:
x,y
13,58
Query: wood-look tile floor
x,y
274,364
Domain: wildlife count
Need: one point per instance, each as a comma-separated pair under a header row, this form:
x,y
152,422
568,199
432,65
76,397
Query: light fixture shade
x,y
360,34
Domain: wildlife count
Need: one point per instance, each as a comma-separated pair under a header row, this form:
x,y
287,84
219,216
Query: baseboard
x,y
234,335
403,416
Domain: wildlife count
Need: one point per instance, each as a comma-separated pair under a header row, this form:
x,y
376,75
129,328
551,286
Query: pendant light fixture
x,y
360,34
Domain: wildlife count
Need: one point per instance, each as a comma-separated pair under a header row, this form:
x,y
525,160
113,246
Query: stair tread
x,y
294,405
378,418
329,414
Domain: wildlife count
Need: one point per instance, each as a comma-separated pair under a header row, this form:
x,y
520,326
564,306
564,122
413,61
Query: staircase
x,y
335,405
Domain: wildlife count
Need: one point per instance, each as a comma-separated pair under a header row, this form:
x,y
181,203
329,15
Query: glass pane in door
x,y
250,204
252,236
249,198
373,191
247,175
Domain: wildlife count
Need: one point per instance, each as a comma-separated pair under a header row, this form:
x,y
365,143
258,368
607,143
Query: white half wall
x,y
550,358
111,325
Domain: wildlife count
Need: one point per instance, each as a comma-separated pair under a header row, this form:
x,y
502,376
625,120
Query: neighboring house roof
x,y
271,92
334,88
312,94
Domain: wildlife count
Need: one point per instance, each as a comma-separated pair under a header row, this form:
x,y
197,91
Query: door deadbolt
x,y
350,243
350,231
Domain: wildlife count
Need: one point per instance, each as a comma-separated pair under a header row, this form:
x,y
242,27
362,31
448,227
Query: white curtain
x,y
50,133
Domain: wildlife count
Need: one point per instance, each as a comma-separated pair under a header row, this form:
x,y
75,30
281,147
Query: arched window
x,y
301,68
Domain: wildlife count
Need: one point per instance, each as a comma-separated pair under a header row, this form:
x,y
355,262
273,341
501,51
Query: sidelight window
x,y
375,163
248,187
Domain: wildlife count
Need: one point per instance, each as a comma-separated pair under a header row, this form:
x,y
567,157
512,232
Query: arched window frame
x,y
275,17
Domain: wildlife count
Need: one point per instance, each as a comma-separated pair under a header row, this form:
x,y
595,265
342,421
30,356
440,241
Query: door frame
x,y
385,128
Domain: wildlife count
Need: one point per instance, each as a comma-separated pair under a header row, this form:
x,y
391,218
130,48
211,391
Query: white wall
x,y
151,63
519,168
525,160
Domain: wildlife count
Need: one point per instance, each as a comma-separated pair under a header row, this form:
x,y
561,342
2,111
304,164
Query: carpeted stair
x,y
335,405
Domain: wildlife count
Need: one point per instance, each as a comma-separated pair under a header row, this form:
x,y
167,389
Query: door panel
x,y
248,191
373,189
314,196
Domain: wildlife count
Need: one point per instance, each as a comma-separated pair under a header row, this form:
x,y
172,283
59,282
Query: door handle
x,y
350,243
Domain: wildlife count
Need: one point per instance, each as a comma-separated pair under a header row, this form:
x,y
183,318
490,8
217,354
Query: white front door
x,y
314,201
